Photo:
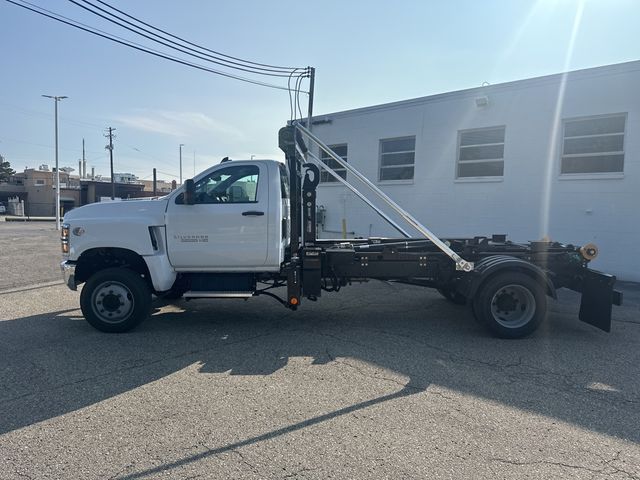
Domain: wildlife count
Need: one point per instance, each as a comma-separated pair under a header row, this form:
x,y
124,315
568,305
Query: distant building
x,y
36,187
125,178
162,186
92,191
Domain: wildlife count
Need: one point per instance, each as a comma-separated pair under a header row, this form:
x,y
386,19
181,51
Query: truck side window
x,y
236,184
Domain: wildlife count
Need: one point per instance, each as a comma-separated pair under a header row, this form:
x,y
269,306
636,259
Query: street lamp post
x,y
56,100
181,145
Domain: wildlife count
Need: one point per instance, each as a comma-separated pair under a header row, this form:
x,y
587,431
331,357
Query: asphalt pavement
x,y
376,381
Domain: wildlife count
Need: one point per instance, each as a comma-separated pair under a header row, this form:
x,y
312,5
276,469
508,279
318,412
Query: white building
x,y
555,156
125,178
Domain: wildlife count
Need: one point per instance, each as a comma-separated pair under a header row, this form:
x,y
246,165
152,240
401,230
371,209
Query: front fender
x,y
126,233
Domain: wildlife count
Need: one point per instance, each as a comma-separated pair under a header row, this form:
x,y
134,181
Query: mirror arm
x,y
189,192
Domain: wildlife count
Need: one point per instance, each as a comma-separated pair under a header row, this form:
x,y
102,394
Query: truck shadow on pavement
x,y
56,363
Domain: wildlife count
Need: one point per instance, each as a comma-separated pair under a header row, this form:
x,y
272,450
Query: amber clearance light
x,y
589,251
64,238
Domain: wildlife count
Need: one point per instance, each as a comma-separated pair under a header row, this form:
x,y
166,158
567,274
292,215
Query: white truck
x,y
243,228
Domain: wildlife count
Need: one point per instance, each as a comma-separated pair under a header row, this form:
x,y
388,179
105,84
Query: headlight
x,y
64,238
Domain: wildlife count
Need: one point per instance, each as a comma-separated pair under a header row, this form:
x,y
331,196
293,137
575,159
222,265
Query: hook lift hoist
x,y
505,283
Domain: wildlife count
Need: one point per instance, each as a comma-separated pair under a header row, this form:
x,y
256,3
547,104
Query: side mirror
x,y
189,192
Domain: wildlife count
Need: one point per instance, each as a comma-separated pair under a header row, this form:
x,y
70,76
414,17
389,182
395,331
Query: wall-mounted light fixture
x,y
482,101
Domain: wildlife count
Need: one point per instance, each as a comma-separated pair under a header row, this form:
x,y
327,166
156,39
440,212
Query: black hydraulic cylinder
x,y
287,143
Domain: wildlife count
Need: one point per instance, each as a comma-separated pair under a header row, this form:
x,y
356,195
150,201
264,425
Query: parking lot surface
x,y
377,381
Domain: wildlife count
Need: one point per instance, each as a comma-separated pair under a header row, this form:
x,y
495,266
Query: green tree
x,y
5,170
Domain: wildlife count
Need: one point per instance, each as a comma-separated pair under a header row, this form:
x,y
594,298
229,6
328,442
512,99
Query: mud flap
x,y
598,297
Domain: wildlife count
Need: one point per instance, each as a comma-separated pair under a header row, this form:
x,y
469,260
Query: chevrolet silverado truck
x,y
246,228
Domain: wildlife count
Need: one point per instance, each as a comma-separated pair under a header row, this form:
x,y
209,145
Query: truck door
x,y
226,228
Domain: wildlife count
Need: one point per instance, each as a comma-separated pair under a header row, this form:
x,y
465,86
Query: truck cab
x,y
234,221
213,237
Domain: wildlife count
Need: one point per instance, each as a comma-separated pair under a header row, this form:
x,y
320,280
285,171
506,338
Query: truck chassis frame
x,y
460,268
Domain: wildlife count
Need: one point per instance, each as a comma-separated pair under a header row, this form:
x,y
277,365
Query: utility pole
x,y
312,82
83,174
155,182
56,100
181,145
109,147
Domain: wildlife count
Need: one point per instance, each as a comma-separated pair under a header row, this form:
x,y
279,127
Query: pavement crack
x,y
626,321
607,467
244,461
546,462
298,472
366,374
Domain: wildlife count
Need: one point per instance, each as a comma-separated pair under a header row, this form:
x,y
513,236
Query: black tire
x,y
510,304
453,296
115,300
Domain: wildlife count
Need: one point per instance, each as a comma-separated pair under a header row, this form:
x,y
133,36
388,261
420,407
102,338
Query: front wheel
x,y
511,304
115,300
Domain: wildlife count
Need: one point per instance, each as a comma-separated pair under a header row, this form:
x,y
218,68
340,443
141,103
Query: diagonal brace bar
x,y
461,263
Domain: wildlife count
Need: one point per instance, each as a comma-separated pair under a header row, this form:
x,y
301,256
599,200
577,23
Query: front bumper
x,y
69,274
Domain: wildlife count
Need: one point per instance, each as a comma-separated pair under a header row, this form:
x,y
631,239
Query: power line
x,y
298,85
169,174
191,43
217,58
42,145
75,24
37,113
172,45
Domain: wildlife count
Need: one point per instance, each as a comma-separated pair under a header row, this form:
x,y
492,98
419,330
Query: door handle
x,y
252,213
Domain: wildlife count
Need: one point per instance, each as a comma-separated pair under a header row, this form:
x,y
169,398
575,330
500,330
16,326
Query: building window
x,y
341,151
39,182
593,145
481,152
397,158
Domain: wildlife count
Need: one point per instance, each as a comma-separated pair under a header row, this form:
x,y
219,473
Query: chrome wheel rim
x,y
513,306
112,302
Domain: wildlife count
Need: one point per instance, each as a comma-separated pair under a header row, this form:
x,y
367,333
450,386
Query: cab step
x,y
203,294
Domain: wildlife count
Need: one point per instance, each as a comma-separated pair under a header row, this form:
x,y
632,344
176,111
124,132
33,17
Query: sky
x,y
365,53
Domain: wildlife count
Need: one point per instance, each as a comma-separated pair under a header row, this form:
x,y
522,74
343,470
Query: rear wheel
x,y
115,300
511,304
